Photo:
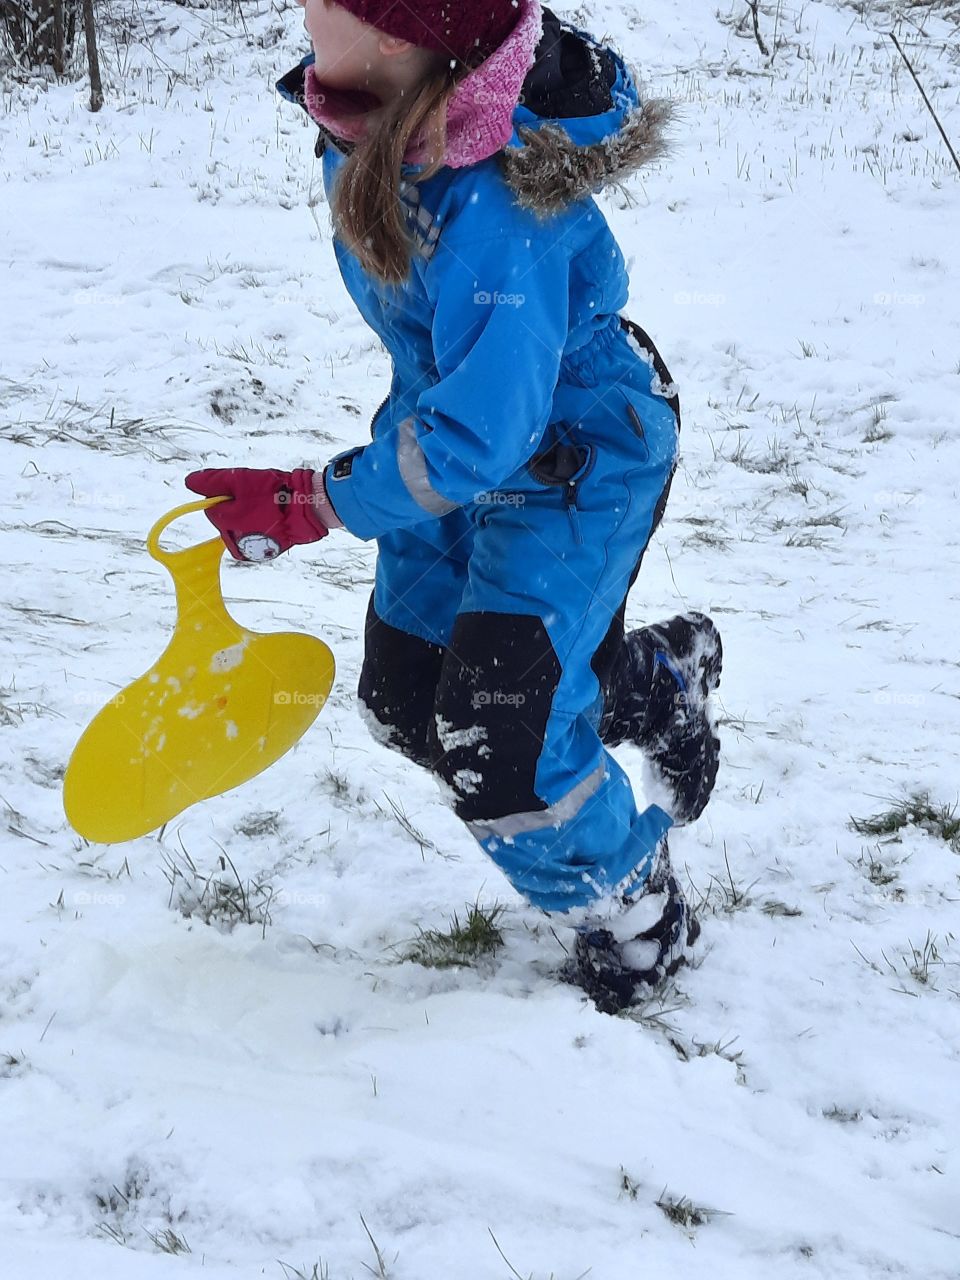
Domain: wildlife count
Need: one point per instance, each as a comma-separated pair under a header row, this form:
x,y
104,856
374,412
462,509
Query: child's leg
x,y
520,701
398,685
421,574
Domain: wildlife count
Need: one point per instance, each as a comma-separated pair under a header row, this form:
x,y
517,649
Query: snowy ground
x,y
170,300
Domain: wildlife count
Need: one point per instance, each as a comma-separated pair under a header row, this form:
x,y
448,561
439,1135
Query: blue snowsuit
x,y
515,475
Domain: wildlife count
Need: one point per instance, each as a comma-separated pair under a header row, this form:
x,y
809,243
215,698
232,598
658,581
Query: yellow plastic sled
x,y
220,705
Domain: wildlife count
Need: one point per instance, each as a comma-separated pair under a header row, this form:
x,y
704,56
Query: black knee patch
x,y
494,698
398,684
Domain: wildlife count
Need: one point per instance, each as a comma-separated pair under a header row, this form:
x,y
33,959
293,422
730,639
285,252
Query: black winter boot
x,y
661,703
620,957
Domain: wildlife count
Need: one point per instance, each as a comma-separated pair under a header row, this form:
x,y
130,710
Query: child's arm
x,y
499,328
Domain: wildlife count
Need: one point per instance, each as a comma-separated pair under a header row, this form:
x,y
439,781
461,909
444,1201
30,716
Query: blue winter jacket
x,y
517,270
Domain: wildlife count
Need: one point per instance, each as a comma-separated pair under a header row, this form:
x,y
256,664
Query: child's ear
x,y
390,46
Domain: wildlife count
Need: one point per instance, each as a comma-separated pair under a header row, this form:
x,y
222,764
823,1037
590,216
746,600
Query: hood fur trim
x,y
551,171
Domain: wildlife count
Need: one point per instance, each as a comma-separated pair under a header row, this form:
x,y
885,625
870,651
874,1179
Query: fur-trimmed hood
x,y
561,110
580,125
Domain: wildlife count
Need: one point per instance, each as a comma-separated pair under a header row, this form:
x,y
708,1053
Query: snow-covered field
x,y
279,1095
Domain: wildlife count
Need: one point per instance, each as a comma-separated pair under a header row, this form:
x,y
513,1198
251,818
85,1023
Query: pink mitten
x,y
271,511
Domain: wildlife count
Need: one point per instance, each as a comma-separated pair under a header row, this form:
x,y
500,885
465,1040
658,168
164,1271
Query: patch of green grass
x,y
916,810
460,944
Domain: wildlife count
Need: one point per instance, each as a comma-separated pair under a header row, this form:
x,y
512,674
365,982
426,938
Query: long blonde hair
x,y
368,214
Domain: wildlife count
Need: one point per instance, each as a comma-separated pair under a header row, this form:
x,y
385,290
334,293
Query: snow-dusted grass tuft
x,y
682,1212
319,1271
261,824
917,966
12,1064
121,1209
168,1241
518,1275
214,898
99,428
877,871
381,1267
723,895
414,832
462,944
916,810
876,432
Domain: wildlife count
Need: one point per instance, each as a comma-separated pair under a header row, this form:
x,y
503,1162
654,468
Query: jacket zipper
x,y
385,401
571,493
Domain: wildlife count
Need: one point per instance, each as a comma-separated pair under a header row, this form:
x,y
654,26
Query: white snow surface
x,y
170,301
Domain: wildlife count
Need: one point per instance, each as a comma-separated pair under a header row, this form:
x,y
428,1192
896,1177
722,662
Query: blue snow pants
x,y
494,647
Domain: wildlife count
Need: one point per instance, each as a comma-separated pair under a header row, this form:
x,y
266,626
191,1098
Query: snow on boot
x,y
672,668
644,937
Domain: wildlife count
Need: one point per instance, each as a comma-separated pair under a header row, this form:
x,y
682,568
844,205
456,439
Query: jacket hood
x,y
580,125
561,111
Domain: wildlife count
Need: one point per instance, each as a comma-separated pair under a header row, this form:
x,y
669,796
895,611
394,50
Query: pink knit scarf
x,y
479,114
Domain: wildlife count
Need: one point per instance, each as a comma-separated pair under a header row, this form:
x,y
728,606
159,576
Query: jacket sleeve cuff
x,y
368,493
350,510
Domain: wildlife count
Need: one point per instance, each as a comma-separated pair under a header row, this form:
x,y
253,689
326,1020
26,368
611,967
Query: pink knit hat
x,y
461,28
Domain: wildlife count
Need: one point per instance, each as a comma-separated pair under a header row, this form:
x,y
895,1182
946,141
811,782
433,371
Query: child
x,y
520,464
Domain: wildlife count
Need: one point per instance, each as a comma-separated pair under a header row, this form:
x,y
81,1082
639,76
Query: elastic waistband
x,y
598,344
